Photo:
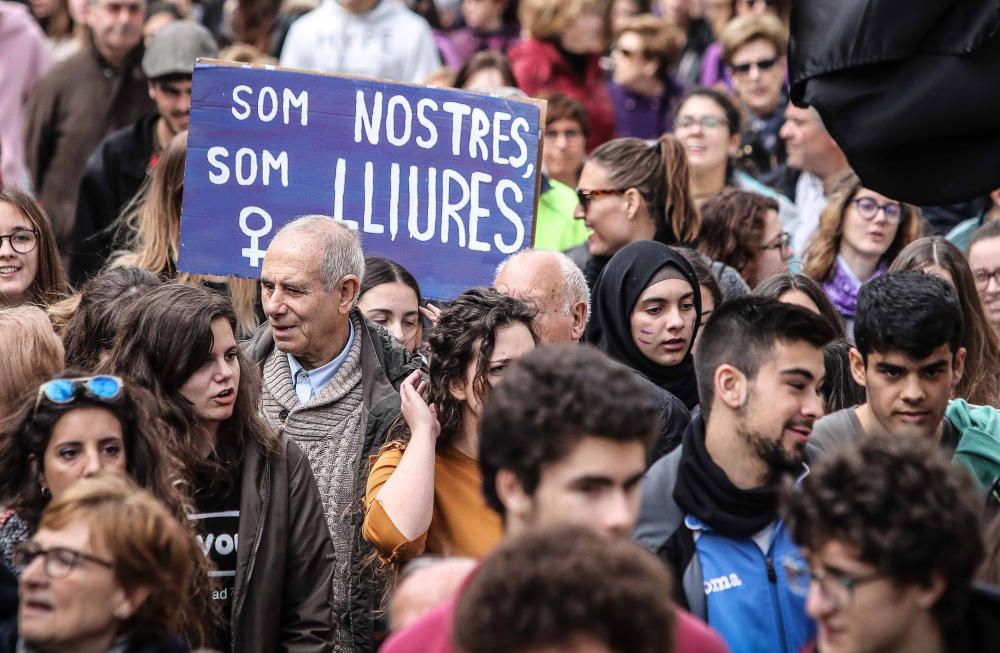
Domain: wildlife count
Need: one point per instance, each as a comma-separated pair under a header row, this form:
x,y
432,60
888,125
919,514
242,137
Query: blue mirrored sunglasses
x,y
62,391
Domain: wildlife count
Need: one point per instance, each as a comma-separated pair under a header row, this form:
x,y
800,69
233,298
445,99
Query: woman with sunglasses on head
x,y
31,271
645,314
109,570
73,427
743,231
629,191
860,233
256,504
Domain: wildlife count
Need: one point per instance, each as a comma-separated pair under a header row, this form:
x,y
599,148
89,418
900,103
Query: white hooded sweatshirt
x,y
389,42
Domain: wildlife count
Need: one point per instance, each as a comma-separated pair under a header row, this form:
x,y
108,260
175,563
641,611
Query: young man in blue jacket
x,y
710,508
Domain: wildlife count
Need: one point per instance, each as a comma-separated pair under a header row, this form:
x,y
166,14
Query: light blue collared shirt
x,y
309,383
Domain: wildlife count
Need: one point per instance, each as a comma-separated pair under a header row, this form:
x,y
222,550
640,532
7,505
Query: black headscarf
x,y
623,280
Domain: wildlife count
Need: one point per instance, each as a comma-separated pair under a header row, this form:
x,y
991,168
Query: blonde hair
x,y
30,353
152,226
822,254
149,549
547,20
748,27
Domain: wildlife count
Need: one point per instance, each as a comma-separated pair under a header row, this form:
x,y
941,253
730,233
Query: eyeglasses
x,y
783,242
585,195
706,122
868,208
62,391
59,561
760,64
837,589
21,241
983,277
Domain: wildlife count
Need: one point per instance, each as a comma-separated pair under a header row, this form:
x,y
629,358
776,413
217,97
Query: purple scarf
x,y
843,288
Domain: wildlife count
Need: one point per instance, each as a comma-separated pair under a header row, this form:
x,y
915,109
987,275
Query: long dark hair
x,y
166,337
466,333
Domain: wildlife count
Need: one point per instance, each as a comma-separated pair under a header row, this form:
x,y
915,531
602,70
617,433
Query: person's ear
x,y
127,603
347,293
152,91
650,68
633,203
858,370
731,387
578,313
457,389
36,468
516,502
958,366
929,594
734,144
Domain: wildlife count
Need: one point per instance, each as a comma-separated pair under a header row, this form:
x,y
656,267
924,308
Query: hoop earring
x,y
45,490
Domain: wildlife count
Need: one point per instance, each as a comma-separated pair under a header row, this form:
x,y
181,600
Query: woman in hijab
x,y
646,312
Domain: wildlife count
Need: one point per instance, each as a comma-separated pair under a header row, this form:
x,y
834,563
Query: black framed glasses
x,y
868,208
760,64
59,562
21,241
783,243
103,387
585,195
837,588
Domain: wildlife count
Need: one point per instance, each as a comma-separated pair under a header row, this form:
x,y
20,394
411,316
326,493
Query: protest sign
x,y
444,182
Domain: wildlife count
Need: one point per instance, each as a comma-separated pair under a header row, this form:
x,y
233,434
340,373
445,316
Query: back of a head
x,y
907,311
549,401
898,503
744,331
563,587
30,352
103,300
148,548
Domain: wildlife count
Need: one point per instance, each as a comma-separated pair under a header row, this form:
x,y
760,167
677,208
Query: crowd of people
x,y
731,399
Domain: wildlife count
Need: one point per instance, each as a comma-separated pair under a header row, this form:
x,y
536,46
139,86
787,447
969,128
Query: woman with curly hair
x,y
860,233
742,230
424,491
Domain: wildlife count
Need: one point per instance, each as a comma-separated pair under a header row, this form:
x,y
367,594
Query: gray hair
x,y
342,254
575,289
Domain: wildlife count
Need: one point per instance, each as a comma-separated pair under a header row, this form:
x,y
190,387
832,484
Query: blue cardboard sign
x,y
444,182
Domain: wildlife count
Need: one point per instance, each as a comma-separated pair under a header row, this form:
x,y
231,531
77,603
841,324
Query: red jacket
x,y
538,66
432,634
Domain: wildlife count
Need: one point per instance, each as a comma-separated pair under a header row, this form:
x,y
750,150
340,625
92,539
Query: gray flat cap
x,y
175,47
